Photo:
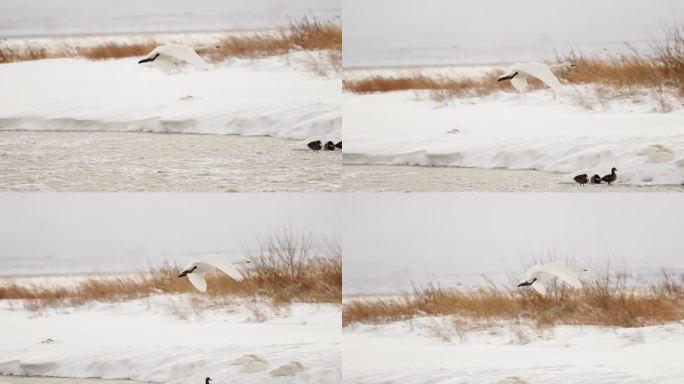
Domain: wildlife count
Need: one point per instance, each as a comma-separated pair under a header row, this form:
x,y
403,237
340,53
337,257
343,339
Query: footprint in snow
x,y
290,369
513,380
251,363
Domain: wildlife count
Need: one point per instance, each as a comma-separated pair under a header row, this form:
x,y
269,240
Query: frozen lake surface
x,y
126,161
406,178
58,380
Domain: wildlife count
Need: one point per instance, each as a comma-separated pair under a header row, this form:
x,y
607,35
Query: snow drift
x,y
271,97
435,350
144,340
511,131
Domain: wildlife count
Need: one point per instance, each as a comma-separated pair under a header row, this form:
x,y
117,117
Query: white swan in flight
x,y
196,269
538,275
171,52
519,72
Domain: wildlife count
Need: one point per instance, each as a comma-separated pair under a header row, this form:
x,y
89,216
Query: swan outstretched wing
x,y
186,54
197,279
561,271
539,287
152,53
543,73
519,83
223,264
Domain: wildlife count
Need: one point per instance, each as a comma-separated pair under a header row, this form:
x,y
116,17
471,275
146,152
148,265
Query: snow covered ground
x,y
162,339
434,350
281,97
245,97
506,130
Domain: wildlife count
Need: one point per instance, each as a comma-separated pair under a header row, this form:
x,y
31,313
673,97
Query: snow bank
x,y
412,352
511,131
143,340
265,97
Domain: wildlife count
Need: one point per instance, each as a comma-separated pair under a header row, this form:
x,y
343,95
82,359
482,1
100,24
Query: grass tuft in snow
x,y
305,34
609,300
442,86
660,73
286,270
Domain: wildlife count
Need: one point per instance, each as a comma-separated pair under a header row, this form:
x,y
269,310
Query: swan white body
x,y
195,270
538,275
172,52
519,72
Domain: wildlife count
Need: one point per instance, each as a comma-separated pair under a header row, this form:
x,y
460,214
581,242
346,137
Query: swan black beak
x,y
502,78
526,283
147,60
183,273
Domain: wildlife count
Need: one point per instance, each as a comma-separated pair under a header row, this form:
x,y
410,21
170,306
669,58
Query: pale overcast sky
x,y
393,31
392,240
44,233
56,17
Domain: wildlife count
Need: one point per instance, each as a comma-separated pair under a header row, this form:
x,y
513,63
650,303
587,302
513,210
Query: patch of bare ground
x,y
286,270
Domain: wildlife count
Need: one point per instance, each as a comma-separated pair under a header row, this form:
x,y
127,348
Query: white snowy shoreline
x,y
145,340
274,96
508,131
411,352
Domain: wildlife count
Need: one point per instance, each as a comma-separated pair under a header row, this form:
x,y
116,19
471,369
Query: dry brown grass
x,y
302,35
9,55
624,76
606,301
663,69
286,270
97,52
114,50
441,85
438,88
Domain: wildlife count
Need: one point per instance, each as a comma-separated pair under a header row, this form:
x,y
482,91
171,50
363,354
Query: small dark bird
x,y
581,179
338,145
329,146
596,179
315,145
611,177
207,380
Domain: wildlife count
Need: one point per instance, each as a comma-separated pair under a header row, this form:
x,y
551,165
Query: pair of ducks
x,y
329,146
596,179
